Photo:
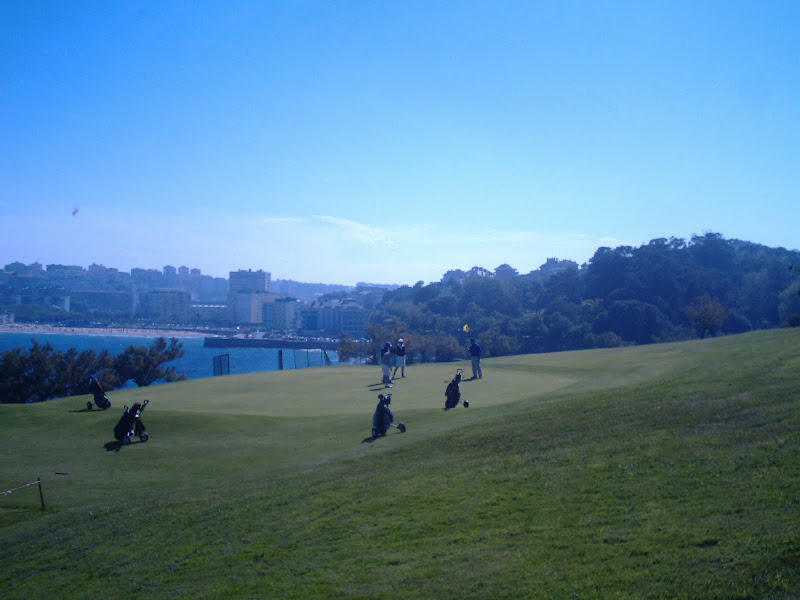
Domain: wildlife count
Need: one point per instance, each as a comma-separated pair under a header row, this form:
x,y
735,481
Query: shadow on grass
x,y
89,408
117,446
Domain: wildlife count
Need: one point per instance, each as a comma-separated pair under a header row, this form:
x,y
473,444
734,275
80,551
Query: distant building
x,y
96,270
505,271
479,272
281,314
41,295
248,281
165,305
334,317
550,268
209,313
23,269
64,268
105,301
147,278
247,308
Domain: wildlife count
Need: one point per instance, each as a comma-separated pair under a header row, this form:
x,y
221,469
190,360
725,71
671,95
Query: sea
x,y
197,362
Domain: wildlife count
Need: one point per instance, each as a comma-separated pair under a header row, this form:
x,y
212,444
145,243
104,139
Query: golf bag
x,y
452,394
130,424
100,398
383,418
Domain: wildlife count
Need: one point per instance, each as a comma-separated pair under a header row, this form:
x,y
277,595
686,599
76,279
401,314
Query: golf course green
x,y
660,471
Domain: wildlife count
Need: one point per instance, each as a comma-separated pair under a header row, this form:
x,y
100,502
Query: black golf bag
x,y
100,398
452,394
130,424
383,418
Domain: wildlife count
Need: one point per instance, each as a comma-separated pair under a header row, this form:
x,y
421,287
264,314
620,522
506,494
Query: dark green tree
x,y
146,365
42,373
707,314
347,348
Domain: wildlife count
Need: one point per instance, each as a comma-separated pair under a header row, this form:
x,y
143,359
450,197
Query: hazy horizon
x,y
333,142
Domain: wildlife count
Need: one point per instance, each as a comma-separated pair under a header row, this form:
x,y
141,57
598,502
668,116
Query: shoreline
x,y
34,328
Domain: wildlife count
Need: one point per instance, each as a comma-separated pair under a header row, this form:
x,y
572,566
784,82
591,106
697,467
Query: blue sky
x,y
388,142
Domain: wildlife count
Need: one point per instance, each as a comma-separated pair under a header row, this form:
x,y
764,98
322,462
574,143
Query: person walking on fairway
x,y
475,355
400,358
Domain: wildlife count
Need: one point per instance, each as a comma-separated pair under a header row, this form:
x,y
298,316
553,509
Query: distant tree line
x,y
42,372
666,290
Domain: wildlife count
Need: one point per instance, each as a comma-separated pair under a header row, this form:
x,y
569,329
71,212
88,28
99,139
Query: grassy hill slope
x,y
657,471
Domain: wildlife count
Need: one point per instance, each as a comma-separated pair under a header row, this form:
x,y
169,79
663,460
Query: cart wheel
x,y
144,436
126,440
88,406
402,427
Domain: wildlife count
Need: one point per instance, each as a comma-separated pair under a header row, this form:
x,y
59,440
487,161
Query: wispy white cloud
x,y
360,232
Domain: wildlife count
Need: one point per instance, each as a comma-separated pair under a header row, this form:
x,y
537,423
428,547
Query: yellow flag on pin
x,y
466,328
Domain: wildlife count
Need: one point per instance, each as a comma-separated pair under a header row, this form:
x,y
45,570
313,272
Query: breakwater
x,y
233,342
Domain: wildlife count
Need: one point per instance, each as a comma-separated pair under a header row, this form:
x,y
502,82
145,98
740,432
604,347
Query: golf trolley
x,y
100,398
383,418
453,394
130,424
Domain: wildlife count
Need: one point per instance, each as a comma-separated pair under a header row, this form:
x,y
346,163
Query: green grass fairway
x,y
663,471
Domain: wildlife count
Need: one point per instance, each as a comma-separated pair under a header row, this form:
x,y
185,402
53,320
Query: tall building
x,y
249,281
165,305
246,307
282,314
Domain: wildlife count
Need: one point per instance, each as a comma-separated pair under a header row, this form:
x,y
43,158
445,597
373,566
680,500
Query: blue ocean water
x,y
197,362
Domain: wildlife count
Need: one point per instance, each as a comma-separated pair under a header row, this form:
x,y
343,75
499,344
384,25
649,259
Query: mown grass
x,y
664,471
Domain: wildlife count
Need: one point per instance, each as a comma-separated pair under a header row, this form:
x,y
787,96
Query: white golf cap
x,y
400,340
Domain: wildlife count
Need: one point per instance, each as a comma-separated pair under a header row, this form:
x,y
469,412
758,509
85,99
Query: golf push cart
x,y
453,394
100,398
130,424
383,418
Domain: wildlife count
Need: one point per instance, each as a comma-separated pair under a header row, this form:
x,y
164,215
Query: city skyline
x,y
192,271
390,143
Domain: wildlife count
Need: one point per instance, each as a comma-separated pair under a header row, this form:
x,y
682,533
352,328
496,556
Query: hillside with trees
x,y
666,290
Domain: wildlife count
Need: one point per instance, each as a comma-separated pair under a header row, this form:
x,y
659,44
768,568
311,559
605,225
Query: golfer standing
x,y
400,358
475,355
386,362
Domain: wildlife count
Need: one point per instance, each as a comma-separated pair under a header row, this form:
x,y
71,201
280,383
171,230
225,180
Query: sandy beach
x,y
123,331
